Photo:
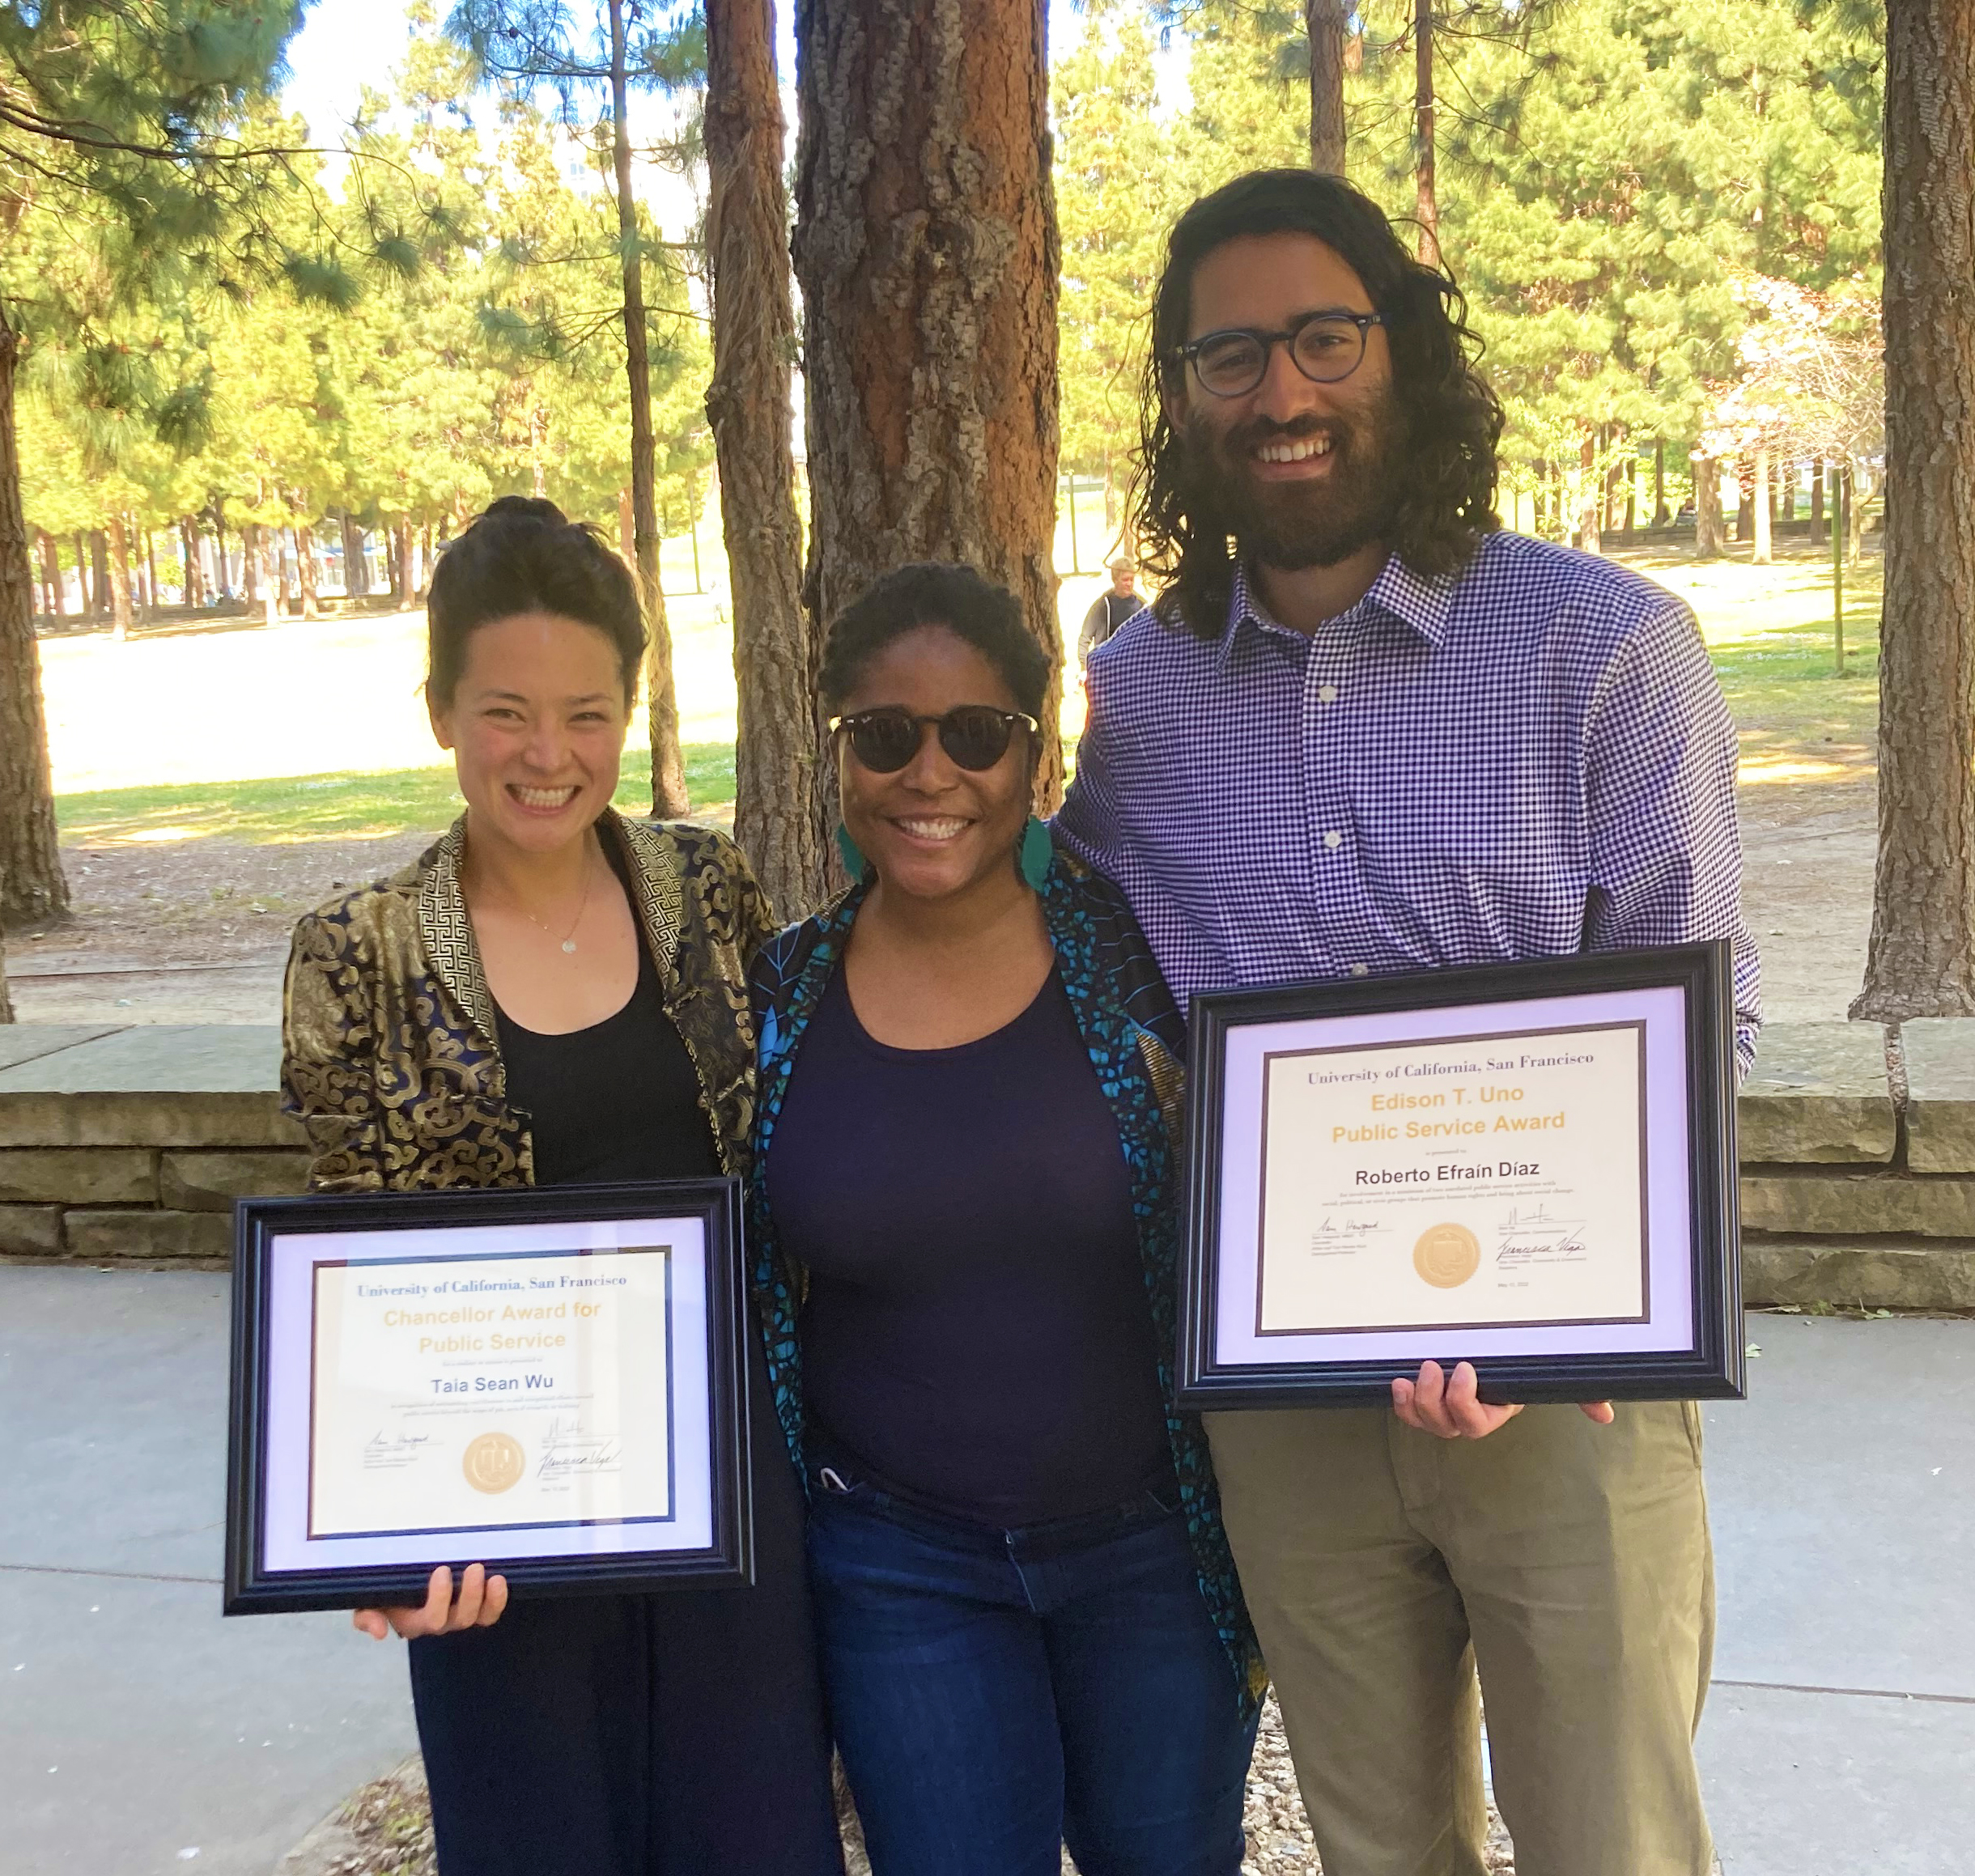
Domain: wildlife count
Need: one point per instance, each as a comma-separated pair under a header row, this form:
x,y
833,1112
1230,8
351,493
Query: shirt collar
x,y
1423,606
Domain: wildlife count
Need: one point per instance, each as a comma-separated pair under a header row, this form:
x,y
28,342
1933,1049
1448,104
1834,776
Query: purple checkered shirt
x,y
1528,759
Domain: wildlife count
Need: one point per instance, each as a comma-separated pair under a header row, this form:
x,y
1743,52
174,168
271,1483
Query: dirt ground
x,y
197,931
170,928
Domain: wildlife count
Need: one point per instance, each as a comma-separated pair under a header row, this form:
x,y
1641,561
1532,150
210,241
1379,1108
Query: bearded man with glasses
x,y
1364,731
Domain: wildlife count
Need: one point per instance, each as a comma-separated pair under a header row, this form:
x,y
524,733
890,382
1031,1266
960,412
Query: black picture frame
x,y
1710,1366
251,1586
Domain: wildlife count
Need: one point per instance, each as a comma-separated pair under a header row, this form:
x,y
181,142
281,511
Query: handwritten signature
x,y
1329,1236
566,1448
388,1451
1536,1237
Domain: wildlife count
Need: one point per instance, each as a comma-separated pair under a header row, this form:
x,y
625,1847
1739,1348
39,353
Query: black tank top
x,y
618,1101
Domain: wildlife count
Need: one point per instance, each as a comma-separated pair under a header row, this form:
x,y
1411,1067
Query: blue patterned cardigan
x,y
1137,1044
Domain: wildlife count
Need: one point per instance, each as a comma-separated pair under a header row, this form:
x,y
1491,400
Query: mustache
x,y
1260,429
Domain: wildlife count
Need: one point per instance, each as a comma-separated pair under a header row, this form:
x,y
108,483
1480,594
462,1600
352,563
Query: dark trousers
x,y
998,1694
675,1734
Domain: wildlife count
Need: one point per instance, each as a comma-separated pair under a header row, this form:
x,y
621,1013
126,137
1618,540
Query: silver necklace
x,y
569,942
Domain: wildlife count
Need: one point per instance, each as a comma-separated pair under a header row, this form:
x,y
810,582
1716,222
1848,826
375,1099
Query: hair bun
x,y
523,508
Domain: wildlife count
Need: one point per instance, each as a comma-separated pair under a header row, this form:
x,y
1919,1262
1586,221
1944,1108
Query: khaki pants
x,y
1569,1562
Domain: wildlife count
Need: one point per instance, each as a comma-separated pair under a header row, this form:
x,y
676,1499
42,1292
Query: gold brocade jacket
x,y
390,1052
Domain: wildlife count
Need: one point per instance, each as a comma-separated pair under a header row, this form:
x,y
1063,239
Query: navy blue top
x,y
976,1336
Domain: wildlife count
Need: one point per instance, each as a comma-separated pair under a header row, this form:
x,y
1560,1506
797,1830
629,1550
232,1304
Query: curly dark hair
x,y
935,592
1451,419
524,555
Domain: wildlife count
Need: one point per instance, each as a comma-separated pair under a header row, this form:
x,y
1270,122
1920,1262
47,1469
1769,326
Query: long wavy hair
x,y
1451,420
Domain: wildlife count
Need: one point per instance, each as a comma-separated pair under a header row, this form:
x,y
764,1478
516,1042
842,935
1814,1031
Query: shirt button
x,y
1360,970
1327,693
1333,838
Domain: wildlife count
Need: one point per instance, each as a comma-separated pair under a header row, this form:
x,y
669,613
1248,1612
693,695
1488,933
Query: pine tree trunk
x,y
152,603
305,568
778,803
31,885
1858,493
669,800
1762,505
400,563
188,546
273,573
926,253
1922,959
1659,481
1708,542
1426,210
356,570
1745,503
51,572
100,573
119,579
250,561
1590,498
1324,22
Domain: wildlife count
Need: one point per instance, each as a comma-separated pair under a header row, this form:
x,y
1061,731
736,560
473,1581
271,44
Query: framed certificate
x,y
550,1381
1529,1167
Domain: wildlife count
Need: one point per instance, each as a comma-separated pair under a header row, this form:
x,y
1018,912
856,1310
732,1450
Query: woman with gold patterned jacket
x,y
554,994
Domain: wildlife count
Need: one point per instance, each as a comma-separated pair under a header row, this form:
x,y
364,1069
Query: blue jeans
x,y
997,1695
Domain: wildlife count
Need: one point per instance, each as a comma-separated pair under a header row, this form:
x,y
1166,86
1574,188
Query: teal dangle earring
x,y
847,851
1034,853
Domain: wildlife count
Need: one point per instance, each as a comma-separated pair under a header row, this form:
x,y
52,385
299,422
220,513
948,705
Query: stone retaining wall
x,y
130,1145
1858,1149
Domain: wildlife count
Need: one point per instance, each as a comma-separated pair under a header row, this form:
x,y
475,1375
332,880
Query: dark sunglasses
x,y
975,736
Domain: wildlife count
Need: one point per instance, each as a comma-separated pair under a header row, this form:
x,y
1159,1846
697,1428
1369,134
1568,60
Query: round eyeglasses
x,y
1326,347
974,736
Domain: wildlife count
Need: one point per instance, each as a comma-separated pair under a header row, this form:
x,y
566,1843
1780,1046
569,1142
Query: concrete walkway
x,y
137,1728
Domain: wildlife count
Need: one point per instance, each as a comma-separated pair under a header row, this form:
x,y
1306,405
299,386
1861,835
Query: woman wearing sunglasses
x,y
962,1218
554,994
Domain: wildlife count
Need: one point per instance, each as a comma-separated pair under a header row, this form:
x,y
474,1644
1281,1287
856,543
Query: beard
x,y
1291,525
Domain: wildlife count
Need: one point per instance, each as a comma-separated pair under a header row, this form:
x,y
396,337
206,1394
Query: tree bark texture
x,y
1922,959
1324,22
669,801
100,573
1426,211
1762,509
194,588
779,803
120,578
927,252
1708,541
31,885
305,568
51,573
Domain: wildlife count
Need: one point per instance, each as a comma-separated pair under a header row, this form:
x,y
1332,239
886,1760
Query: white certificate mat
x,y
1466,1182
384,1447
490,1392
1314,1265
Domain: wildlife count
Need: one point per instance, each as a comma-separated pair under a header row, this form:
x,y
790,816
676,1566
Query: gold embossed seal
x,y
1447,1256
494,1463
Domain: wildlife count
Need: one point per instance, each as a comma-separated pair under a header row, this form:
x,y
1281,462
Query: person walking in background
x,y
1110,609
1383,736
555,995
963,1216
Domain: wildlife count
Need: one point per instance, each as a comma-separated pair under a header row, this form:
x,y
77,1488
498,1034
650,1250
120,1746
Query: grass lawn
x,y
1769,630
364,807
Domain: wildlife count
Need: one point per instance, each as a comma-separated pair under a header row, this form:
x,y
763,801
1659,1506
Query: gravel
x,y
385,1829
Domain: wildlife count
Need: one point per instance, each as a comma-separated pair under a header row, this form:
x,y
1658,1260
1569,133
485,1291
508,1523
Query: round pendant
x,y
569,944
